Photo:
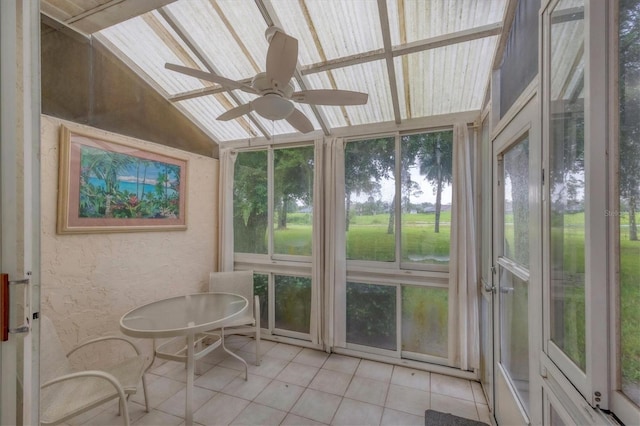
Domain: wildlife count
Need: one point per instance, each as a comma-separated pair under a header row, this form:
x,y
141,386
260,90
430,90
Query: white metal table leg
x,y
188,412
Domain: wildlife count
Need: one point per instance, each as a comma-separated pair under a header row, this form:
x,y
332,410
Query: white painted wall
x,y
90,280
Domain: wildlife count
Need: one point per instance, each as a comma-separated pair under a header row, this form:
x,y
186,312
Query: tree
x,y
629,84
367,162
250,213
435,158
293,179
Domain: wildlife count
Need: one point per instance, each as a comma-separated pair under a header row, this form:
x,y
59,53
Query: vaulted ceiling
x,y
415,58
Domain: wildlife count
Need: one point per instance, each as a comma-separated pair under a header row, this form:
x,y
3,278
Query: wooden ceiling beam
x,y
391,70
220,96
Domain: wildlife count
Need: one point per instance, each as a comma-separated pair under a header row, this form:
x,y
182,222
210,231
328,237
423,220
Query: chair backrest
x,y
53,358
239,282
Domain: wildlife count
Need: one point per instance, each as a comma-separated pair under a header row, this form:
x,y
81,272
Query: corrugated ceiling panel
x,y
445,80
138,41
343,28
207,108
371,78
207,27
425,19
333,114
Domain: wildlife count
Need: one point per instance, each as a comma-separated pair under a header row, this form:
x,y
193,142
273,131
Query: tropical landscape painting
x,y
112,185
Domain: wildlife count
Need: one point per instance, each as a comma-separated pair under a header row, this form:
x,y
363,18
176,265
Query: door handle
x,y
487,287
5,284
506,289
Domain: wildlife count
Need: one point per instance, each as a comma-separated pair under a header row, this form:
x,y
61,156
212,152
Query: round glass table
x,y
184,316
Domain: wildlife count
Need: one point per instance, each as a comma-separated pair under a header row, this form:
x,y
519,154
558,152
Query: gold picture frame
x,y
107,185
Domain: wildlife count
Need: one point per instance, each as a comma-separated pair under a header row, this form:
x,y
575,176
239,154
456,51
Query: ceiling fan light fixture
x,y
272,107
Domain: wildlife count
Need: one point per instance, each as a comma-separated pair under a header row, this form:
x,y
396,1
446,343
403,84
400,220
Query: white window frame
x,y
271,264
592,384
625,409
396,273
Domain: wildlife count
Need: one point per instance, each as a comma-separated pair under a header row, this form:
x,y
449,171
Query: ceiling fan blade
x,y
330,97
203,75
300,121
236,112
282,58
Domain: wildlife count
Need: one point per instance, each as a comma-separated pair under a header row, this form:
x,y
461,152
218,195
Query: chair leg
x,y
145,393
258,360
123,408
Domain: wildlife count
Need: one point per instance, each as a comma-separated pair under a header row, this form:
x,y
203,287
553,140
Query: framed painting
x,y
110,186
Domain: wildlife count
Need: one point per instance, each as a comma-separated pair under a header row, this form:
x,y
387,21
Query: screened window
x,y
567,182
629,181
250,211
379,187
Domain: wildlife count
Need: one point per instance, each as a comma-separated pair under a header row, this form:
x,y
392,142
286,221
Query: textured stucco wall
x,y
90,280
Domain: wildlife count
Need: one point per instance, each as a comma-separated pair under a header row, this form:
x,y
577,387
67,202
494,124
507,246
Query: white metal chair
x,y
239,282
65,393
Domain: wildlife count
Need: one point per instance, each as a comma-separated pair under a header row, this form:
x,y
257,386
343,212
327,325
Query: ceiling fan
x,y
274,87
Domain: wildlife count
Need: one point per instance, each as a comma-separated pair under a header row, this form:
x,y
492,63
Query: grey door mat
x,y
436,418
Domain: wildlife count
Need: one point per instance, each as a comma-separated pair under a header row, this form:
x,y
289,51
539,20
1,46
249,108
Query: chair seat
x,y
67,399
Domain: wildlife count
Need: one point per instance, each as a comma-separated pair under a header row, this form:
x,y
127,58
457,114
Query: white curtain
x,y
463,276
335,264
225,210
317,251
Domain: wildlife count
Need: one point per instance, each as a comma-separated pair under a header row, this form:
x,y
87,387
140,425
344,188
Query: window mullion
x,y
398,201
270,201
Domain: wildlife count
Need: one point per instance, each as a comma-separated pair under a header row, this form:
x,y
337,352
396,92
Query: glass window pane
x,y
516,203
293,303
556,420
425,313
629,74
250,216
567,184
371,315
369,199
514,332
261,289
426,176
293,200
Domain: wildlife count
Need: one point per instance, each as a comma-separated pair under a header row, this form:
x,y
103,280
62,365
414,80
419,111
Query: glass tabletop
x,y
182,315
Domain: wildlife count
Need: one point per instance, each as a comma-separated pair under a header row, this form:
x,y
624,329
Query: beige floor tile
x,y
344,364
478,393
311,357
158,418
409,400
265,346
316,405
293,420
269,367
220,410
410,378
260,415
236,364
451,386
280,395
159,390
247,389
374,370
284,351
392,417
331,382
175,405
455,406
109,416
297,374
217,378
483,413
353,412
367,390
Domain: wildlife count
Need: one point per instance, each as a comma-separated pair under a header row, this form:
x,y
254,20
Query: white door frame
x,y
523,118
20,200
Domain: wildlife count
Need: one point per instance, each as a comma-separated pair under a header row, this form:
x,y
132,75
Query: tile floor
x,y
295,386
